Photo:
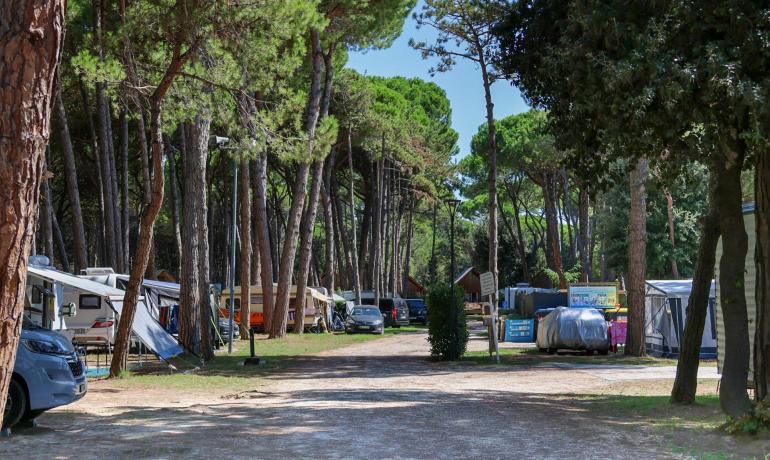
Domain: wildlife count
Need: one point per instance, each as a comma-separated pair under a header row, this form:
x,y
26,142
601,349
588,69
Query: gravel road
x,y
379,399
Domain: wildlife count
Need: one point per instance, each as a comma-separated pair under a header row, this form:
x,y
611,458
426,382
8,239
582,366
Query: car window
x,y
90,302
366,311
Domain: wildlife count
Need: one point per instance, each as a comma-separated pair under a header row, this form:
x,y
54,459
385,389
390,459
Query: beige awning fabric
x,y
318,295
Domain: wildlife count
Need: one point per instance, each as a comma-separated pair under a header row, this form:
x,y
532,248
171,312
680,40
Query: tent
x,y
665,317
67,287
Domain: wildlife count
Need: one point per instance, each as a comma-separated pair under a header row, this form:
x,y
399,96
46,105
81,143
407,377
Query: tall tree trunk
x,y
585,260
353,224
306,245
732,392
31,36
299,192
762,260
125,211
408,249
686,382
433,248
102,251
174,202
46,213
552,228
263,238
115,192
329,223
59,238
193,283
147,176
73,192
106,176
671,232
637,263
147,222
377,228
245,262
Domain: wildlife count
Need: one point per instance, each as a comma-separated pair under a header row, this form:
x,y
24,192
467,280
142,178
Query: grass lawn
x,y
227,372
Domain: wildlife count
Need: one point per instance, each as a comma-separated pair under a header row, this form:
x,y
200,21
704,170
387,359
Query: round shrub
x,y
441,335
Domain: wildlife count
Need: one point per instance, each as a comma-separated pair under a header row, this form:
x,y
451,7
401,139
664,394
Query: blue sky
x,y
462,84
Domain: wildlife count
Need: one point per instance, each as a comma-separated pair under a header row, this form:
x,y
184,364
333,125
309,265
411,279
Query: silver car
x,y
47,373
365,318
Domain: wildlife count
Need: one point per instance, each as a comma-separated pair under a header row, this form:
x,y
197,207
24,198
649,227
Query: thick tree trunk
x,y
73,192
59,238
585,260
245,262
671,232
732,392
637,263
762,260
193,283
263,238
408,248
31,36
686,382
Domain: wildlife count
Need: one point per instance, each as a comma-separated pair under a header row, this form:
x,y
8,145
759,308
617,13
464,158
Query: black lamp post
x,y
452,204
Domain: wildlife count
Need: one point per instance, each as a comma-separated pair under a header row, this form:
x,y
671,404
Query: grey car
x,y
365,318
47,373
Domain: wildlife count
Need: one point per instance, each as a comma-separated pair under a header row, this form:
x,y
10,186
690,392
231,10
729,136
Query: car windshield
x,y
366,311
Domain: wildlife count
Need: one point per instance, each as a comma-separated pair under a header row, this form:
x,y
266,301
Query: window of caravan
x,y
237,303
90,302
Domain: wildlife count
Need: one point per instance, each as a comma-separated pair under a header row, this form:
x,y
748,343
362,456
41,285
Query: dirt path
x,y
379,399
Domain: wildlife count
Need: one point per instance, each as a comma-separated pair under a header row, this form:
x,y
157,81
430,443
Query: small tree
x,y
443,333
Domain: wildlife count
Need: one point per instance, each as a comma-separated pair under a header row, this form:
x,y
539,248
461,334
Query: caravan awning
x,y
51,274
674,288
318,295
146,328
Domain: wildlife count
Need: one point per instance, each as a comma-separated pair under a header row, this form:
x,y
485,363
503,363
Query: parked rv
x,y
315,301
47,373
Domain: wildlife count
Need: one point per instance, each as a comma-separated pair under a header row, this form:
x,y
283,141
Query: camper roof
x,y
674,288
83,284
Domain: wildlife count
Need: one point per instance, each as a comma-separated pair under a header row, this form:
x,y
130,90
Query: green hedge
x,y
440,331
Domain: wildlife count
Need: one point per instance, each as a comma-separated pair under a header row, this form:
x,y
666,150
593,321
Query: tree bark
x,y
329,223
147,222
433,248
306,245
686,382
762,260
637,263
73,192
263,239
671,232
552,228
102,251
732,392
193,283
46,213
353,224
174,202
245,262
31,36
408,248
299,191
585,260
125,212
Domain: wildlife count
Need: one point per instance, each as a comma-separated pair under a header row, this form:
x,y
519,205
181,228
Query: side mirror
x,y
69,310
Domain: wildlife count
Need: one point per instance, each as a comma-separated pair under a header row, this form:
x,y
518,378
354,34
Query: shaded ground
x,y
383,398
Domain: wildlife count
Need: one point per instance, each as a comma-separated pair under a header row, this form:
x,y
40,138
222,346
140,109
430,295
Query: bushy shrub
x,y
441,334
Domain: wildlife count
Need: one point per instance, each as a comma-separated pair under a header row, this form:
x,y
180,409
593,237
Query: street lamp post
x,y
452,205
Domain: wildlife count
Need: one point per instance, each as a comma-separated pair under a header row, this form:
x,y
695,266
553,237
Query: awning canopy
x,y
674,288
318,295
51,274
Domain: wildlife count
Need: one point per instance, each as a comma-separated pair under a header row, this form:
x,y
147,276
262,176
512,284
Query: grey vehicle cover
x,y
573,328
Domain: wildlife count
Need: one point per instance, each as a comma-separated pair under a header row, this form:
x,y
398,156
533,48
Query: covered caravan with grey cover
x,y
93,319
665,317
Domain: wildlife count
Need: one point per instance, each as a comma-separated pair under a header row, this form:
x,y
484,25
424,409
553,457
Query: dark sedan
x,y
365,318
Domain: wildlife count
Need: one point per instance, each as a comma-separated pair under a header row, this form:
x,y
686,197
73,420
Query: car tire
x,y
16,405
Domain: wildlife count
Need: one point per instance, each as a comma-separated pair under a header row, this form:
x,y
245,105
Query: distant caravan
x,y
316,304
